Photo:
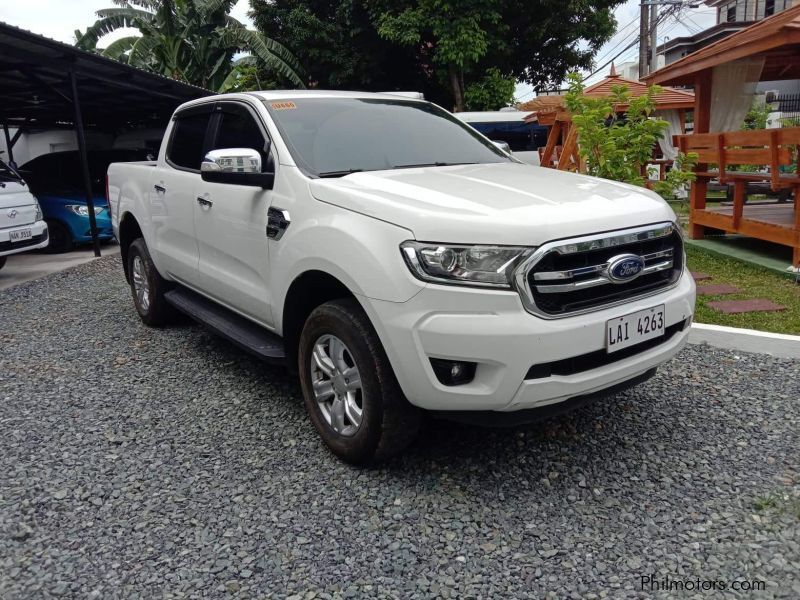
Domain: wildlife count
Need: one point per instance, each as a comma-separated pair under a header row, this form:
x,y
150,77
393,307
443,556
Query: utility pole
x,y
644,39
653,38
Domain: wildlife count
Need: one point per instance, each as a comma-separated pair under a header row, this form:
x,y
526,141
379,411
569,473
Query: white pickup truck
x,y
400,262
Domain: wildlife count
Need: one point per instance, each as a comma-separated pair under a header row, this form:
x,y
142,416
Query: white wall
x,y
31,145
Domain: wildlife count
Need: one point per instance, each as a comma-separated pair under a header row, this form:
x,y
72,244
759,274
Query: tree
x,y
340,47
493,92
438,47
190,40
453,36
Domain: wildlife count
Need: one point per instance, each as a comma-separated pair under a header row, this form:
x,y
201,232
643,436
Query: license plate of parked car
x,y
20,235
634,328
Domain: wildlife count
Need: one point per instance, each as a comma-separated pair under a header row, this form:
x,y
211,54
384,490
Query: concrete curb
x,y
746,340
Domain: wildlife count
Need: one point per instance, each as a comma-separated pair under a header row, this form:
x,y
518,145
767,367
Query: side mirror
x,y
235,166
502,145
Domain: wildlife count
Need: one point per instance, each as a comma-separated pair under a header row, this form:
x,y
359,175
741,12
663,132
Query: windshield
x,y
332,137
7,173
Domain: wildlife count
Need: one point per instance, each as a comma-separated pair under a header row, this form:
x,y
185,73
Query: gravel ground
x,y
166,463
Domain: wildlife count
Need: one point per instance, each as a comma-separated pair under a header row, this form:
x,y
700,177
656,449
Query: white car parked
x,y
21,224
399,262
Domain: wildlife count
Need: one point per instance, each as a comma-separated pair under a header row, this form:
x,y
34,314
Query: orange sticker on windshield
x,y
283,105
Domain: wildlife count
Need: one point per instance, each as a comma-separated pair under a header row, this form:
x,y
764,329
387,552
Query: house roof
x,y
36,88
776,38
669,98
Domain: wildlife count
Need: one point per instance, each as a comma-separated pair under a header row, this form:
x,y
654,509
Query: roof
x,y
777,39
35,90
295,94
669,98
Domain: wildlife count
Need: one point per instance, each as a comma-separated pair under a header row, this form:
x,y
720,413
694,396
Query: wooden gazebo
x,y
551,111
773,45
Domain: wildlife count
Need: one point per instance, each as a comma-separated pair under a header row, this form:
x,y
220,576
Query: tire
x,y
388,422
148,287
2,261
60,238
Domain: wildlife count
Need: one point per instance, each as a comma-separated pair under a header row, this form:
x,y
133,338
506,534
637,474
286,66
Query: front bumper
x,y
38,240
494,330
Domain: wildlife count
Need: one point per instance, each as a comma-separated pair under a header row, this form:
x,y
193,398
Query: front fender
x,y
361,252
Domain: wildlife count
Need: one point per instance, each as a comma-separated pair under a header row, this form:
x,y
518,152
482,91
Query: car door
x,y
231,221
173,193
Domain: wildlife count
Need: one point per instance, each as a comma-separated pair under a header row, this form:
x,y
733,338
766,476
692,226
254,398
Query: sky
x,y
58,19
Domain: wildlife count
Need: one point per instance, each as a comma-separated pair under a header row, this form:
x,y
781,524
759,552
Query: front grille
x,y
36,239
572,276
600,358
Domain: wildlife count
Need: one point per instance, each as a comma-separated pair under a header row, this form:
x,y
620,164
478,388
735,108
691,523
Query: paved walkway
x,y
32,265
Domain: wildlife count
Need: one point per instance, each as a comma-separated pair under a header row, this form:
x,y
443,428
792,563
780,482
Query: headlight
x,y
83,210
482,266
39,215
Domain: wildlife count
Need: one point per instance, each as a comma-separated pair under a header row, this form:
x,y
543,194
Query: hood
x,y
504,203
14,194
17,205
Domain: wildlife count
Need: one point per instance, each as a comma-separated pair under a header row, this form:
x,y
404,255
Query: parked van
x,y
22,226
509,126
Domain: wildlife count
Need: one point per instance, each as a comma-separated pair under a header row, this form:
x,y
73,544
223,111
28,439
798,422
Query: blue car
x,y
57,182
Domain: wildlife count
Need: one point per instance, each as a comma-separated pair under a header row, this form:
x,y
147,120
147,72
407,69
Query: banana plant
x,y
196,41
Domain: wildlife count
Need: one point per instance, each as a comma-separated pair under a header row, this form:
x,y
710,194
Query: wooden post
x,y
702,124
552,142
796,253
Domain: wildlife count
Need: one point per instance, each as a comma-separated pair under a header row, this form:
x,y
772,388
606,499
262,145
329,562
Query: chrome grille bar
x,y
572,273
554,288
602,280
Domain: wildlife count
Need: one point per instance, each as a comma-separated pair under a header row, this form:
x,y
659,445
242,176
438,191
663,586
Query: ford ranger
x,y
399,262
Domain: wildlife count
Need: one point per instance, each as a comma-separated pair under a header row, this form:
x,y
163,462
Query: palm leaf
x,y
101,27
141,51
207,7
275,55
129,13
118,48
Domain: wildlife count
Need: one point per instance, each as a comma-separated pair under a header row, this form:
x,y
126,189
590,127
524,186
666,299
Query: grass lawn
x,y
754,282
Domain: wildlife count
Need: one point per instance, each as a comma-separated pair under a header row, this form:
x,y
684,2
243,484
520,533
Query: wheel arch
x,y
307,291
129,230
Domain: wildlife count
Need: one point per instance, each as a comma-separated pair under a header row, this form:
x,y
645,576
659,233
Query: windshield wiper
x,y
339,173
433,164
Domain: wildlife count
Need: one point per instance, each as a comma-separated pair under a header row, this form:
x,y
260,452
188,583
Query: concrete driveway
x,y
33,265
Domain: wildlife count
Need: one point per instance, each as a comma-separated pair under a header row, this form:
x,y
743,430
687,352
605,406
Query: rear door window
x,y
187,142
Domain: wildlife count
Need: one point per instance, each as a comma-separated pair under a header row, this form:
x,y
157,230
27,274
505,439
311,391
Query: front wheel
x,y
60,238
349,387
148,287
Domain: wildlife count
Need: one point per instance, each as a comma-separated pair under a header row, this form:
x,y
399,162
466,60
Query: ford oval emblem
x,y
625,268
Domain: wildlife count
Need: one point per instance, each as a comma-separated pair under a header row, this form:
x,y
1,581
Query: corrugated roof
x,y
36,90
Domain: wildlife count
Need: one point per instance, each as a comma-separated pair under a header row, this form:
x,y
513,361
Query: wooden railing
x,y
741,157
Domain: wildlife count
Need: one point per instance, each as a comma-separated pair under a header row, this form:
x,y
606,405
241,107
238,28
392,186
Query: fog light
x,y
453,372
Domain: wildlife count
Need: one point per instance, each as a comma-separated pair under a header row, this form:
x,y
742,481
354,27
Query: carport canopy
x,y
50,85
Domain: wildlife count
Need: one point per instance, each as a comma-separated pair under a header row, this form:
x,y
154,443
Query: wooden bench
x,y
767,149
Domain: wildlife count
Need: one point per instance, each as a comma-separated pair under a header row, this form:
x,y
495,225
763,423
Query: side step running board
x,y
245,334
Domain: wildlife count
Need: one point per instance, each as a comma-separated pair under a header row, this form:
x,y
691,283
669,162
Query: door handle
x,y
160,189
204,202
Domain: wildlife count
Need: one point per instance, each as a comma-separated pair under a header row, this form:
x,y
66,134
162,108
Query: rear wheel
x,y
2,261
148,287
350,390
59,236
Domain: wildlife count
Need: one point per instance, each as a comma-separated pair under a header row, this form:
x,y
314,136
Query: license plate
x,y
634,328
20,235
